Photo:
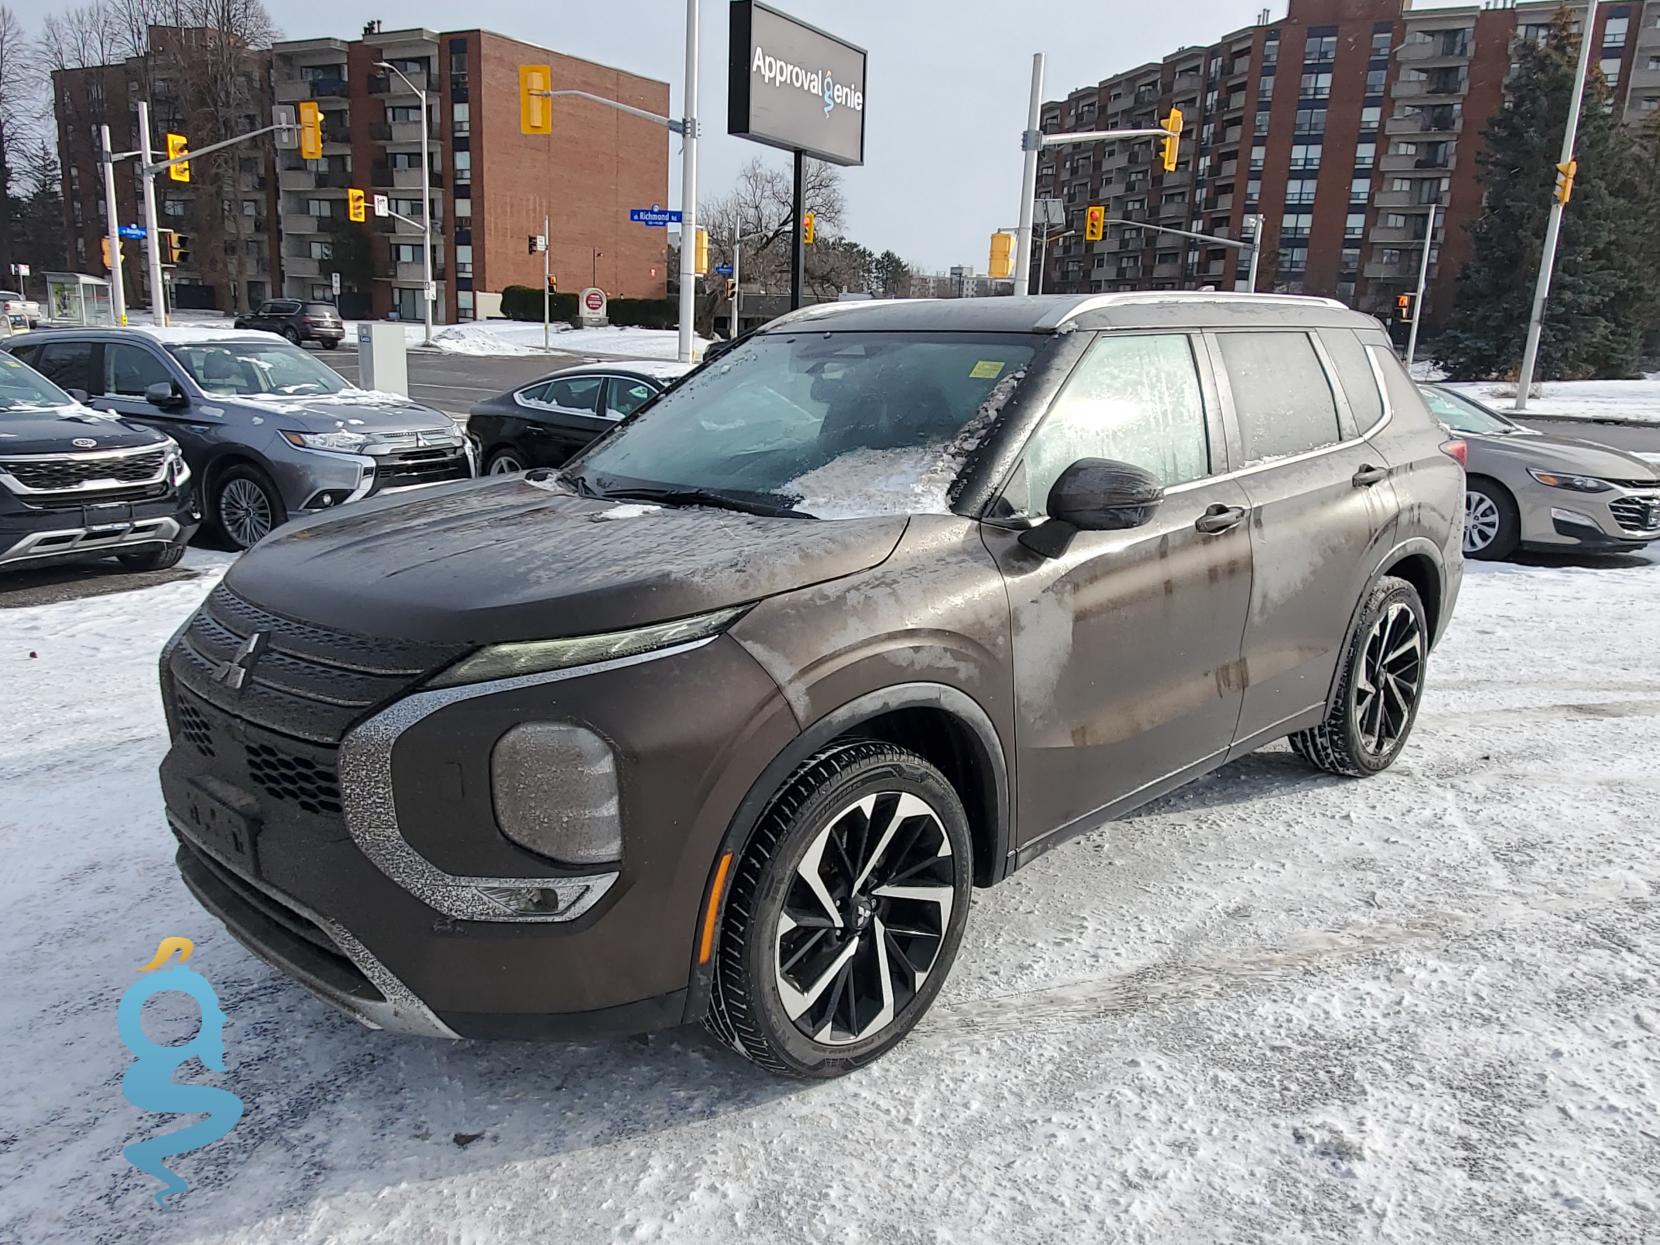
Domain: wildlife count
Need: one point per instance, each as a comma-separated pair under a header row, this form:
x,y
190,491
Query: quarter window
x,y
1134,399
130,370
1281,395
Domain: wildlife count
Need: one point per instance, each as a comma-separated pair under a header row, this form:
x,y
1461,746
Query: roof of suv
x,y
1048,313
173,335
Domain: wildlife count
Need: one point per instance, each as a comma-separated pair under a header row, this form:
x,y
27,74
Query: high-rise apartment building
x,y
1341,125
490,184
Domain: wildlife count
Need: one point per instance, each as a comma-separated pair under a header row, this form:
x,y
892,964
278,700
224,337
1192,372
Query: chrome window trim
x,y
366,793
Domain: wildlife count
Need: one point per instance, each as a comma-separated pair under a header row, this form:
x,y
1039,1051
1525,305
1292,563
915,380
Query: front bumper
x,y
94,529
1622,518
337,862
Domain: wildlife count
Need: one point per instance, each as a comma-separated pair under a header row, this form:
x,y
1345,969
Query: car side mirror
x,y
164,394
1094,495
80,395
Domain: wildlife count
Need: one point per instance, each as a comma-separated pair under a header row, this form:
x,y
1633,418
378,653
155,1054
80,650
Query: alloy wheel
x,y
244,511
505,465
1481,521
864,917
1390,677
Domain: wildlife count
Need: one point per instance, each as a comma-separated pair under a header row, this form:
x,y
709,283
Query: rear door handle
x,y
1370,475
1220,519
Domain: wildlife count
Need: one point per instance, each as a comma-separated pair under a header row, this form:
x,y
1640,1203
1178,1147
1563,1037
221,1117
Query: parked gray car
x,y
1526,490
270,432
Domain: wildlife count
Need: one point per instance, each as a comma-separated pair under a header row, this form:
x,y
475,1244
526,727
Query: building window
x,y
1320,48
172,207
1613,34
1381,40
464,261
1359,189
1293,258
1300,191
1374,81
463,165
322,293
1271,48
1348,259
1354,224
405,159
1315,85
464,304
1391,255
1394,220
1261,127
1258,155
1365,154
1305,155
404,253
1649,103
1311,121
319,249
1371,117
461,118
1296,224
1611,69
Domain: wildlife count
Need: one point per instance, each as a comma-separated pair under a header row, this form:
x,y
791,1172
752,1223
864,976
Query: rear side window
x,y
281,307
1281,395
67,365
579,393
1133,398
319,309
1354,372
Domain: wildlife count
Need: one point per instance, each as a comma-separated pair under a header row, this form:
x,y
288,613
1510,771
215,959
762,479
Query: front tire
x,y
293,335
1382,682
330,343
1492,524
158,558
246,506
845,912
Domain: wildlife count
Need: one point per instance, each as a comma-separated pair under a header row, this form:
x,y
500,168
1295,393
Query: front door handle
x,y
1220,519
1370,475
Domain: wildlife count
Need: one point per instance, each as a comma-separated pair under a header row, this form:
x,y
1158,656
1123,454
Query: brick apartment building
x,y
234,252
1340,125
490,183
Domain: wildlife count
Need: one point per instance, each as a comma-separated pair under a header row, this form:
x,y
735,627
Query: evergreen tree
x,y
1592,318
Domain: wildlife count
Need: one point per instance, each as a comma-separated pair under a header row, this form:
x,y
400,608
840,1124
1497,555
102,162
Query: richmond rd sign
x,y
793,86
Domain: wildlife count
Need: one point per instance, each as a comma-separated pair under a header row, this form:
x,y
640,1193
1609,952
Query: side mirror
x,y
80,395
1094,495
164,394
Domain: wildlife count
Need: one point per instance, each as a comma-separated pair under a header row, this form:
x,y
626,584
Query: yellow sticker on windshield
x,y
986,369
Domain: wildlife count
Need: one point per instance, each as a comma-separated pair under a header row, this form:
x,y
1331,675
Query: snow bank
x,y
1635,400
513,337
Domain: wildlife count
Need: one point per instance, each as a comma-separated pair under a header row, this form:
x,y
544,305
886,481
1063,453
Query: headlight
x,y
507,661
339,442
178,471
1579,484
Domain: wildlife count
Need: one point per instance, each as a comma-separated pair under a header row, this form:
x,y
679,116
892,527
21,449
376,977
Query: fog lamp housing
x,y
554,785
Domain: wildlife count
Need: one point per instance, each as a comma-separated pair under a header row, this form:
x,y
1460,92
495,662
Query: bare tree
x,y
79,38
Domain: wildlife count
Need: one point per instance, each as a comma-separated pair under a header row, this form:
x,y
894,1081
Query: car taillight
x,y
311,319
1456,448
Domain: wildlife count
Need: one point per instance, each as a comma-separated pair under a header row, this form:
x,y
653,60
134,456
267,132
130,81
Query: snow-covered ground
x,y
513,337
1276,1005
1635,400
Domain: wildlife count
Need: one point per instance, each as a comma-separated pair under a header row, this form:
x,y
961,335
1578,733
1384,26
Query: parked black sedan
x,y
298,321
543,423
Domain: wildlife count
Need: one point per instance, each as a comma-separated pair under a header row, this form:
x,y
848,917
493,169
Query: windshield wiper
x,y
687,496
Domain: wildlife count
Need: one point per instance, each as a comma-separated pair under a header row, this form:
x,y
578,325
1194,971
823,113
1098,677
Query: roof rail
x,y
1095,302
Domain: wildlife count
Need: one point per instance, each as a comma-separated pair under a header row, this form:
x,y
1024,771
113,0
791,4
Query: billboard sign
x,y
793,86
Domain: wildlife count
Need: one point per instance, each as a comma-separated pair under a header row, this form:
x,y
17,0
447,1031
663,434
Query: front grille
x,y
299,780
1635,514
67,473
194,727
421,467
75,500
308,682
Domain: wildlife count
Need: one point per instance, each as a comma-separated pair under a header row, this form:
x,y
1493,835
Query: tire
x,y
156,558
330,343
292,334
1368,724
236,513
853,992
505,462
1492,524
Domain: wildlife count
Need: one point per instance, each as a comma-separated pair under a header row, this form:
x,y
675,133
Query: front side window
x,y
130,370
1133,399
625,397
67,365
24,389
836,425
254,367
1281,395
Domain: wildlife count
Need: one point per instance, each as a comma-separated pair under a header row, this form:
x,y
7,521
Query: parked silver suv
x,y
270,432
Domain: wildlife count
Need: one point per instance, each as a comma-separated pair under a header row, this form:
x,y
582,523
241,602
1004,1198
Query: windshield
x,y
24,389
255,367
835,425
1463,415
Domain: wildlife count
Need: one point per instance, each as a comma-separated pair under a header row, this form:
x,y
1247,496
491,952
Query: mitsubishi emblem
x,y
234,671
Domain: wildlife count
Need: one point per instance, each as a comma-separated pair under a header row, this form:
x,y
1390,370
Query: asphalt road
x,y
1633,438
452,383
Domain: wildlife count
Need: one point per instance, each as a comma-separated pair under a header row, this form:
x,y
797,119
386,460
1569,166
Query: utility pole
x,y
1418,299
688,188
737,273
1547,261
547,275
429,291
152,238
112,221
1256,253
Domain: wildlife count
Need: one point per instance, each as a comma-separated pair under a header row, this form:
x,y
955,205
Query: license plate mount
x,y
225,831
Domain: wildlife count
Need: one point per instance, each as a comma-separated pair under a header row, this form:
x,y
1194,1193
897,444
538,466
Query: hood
x,y
55,430
359,410
1565,454
506,558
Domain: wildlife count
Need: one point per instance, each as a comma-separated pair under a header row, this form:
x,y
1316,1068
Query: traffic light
x,y
731,289
177,145
1565,180
535,108
1095,222
1002,256
311,130
175,247
809,227
356,209
700,261
1404,307
1172,125
104,247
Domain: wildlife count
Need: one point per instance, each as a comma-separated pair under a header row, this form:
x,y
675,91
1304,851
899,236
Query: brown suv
x,y
724,720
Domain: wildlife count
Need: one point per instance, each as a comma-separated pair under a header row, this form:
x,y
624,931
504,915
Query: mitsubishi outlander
x,y
723,719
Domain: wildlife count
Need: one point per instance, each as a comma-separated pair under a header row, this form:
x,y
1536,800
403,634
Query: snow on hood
x,y
285,404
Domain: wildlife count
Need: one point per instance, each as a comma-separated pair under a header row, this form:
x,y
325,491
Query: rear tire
x,y
845,912
157,558
330,343
1382,683
505,462
1492,524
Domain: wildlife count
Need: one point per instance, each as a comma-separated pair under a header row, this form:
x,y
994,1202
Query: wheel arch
x,y
943,724
1419,562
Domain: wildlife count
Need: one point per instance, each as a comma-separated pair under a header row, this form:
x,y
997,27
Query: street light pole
x,y
1031,142
688,188
152,238
737,265
112,220
429,292
1547,260
1256,253
1418,299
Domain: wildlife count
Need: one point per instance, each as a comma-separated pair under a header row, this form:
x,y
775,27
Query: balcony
x,y
296,179
1173,211
301,266
392,84
1410,234
301,223
292,91
1414,123
1379,271
1405,200
1393,162
328,88
1422,53
409,132
1431,87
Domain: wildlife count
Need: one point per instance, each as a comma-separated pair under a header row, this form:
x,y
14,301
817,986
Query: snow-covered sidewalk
x,y
1634,401
1276,1005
